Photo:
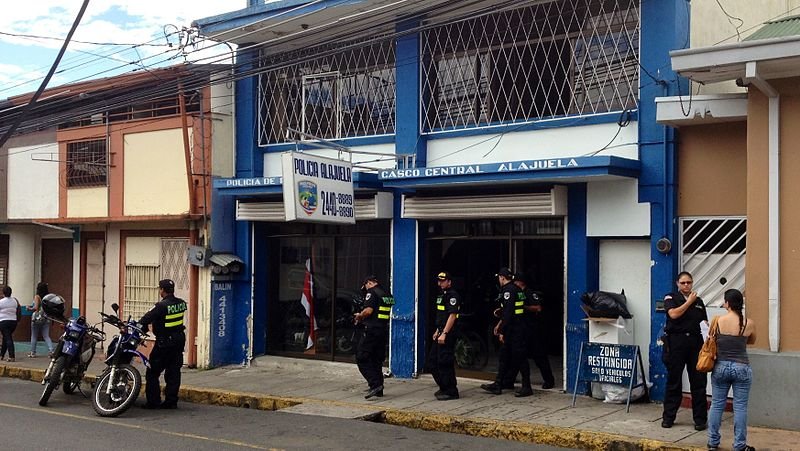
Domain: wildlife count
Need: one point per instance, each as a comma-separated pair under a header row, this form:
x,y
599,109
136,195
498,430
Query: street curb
x,y
508,430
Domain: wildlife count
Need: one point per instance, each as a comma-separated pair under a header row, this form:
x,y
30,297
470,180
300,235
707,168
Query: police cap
x,y
505,272
167,285
444,275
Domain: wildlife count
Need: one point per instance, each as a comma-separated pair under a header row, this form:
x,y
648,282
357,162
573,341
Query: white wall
x,y
625,264
613,209
33,184
559,142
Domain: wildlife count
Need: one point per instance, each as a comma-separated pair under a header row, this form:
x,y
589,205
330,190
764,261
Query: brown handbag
x,y
708,353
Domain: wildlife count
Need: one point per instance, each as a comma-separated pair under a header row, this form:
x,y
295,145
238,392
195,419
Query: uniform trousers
x,y
513,358
370,355
166,359
683,351
441,362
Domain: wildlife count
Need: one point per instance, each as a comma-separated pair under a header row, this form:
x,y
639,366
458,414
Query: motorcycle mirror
x,y
115,307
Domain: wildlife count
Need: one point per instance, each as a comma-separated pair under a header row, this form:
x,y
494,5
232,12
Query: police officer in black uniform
x,y
371,351
441,359
685,311
512,333
534,322
167,319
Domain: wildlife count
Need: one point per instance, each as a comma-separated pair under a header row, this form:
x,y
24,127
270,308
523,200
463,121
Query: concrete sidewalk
x,y
337,389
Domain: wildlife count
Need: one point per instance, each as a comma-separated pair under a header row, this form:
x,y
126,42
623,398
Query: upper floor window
x,y
342,94
563,57
87,163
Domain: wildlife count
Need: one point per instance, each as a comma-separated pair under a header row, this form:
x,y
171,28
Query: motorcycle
x,y
71,357
118,386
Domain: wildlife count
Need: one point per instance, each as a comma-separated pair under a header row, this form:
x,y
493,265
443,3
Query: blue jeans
x,y
727,374
40,330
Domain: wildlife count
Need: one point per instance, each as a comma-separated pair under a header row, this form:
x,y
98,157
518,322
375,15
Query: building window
x,y
343,94
141,289
564,57
87,163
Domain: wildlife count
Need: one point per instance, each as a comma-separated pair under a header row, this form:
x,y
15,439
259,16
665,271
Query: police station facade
x,y
517,134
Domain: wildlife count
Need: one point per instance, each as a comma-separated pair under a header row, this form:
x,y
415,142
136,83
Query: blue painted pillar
x,y
582,276
405,268
664,27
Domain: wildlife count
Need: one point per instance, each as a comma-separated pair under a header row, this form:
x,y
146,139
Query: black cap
x,y
167,285
370,278
505,272
444,275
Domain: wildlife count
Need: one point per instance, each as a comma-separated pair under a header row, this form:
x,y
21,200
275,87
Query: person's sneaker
x,y
375,392
666,424
492,388
31,355
523,392
700,427
712,448
437,392
748,448
548,385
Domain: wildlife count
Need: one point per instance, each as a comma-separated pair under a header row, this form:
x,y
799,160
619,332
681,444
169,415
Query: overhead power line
x,y
49,75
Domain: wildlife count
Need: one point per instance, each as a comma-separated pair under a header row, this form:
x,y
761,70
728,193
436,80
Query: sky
x,y
25,60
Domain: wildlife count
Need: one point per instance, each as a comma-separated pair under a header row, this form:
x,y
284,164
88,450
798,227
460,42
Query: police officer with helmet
x,y
167,319
441,359
371,350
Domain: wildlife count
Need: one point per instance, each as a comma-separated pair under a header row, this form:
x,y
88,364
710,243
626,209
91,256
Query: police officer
x,y
685,311
512,335
371,351
441,359
534,322
167,319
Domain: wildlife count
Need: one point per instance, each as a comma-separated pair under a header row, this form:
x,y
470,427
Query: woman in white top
x,y
9,309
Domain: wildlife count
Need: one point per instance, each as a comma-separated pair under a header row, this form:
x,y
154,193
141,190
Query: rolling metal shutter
x,y
553,203
378,206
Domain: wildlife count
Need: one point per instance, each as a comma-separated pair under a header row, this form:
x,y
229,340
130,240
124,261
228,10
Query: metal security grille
x,y
3,260
565,57
174,264
713,249
141,289
341,94
87,163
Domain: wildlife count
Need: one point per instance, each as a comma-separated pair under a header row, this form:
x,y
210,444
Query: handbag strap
x,y
713,329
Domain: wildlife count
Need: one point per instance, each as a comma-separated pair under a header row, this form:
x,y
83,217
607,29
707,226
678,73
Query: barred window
x,y
141,289
548,59
87,163
342,94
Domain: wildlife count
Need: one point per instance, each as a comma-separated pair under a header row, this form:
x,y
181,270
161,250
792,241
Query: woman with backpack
x,y
9,317
40,324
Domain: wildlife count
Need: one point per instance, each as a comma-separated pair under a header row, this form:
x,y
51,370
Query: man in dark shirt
x,y
371,350
685,311
441,360
167,319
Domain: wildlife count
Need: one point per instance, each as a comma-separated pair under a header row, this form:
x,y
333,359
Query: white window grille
x,y
713,250
336,95
141,289
564,57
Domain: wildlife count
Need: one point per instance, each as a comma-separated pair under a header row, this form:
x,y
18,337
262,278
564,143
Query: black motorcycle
x,y
71,356
118,387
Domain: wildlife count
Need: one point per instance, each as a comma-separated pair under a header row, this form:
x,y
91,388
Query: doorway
x,y
473,252
57,272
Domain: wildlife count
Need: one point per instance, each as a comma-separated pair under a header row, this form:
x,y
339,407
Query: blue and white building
x,y
482,134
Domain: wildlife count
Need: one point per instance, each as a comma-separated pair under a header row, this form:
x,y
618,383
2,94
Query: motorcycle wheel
x,y
124,390
52,382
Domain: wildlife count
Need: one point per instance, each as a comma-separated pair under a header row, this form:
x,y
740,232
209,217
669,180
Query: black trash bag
x,y
602,304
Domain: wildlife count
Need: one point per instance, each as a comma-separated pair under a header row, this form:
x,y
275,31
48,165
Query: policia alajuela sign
x,y
610,364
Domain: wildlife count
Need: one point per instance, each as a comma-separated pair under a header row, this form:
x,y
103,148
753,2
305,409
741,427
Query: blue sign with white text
x,y
221,317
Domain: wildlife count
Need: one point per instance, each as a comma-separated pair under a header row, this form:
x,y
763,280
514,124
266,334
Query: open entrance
x,y
473,251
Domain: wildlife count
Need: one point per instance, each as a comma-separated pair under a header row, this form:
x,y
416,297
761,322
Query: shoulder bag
x,y
708,353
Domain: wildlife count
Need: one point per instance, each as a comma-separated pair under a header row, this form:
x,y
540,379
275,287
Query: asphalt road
x,y
69,422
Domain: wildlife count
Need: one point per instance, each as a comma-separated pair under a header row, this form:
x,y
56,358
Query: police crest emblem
x,y
307,196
